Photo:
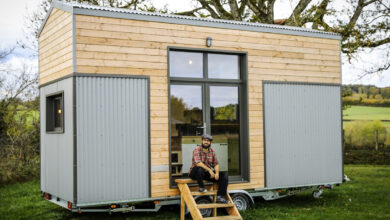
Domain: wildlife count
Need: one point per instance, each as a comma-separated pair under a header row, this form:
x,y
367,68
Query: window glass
x,y
221,66
58,112
55,113
185,64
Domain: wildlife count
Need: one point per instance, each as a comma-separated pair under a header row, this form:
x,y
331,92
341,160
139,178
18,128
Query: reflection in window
x,y
185,64
186,125
54,113
222,66
225,125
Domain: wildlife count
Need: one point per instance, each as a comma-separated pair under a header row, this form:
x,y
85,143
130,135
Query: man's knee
x,y
223,176
198,171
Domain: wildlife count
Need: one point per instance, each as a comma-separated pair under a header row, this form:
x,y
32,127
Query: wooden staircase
x,y
188,199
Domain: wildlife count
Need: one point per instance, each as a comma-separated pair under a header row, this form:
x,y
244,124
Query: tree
x,y
362,24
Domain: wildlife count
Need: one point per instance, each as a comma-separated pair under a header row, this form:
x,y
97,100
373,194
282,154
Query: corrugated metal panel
x,y
57,149
302,134
112,139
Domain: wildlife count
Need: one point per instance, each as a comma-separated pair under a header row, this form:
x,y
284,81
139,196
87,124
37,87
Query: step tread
x,y
228,217
188,181
194,193
214,205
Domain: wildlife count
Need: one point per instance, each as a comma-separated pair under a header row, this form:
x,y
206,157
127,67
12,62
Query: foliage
x,y
364,197
227,112
362,134
353,156
366,95
19,129
363,24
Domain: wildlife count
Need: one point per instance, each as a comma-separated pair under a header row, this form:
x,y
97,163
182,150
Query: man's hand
x,y
212,175
216,176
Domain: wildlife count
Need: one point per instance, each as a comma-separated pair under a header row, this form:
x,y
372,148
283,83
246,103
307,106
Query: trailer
x,y
126,95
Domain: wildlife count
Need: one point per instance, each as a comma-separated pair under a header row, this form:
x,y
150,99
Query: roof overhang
x,y
82,9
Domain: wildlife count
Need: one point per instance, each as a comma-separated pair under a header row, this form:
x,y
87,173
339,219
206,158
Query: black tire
x,y
241,201
204,200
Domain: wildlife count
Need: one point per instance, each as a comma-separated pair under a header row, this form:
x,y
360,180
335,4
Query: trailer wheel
x,y
204,200
241,201
317,193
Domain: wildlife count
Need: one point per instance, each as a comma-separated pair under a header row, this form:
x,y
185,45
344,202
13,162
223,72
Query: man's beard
x,y
206,146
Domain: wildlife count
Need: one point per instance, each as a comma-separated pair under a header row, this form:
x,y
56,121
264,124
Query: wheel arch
x,y
251,200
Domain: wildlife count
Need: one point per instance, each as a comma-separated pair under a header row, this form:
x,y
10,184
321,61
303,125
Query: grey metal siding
x,y
302,134
57,149
112,139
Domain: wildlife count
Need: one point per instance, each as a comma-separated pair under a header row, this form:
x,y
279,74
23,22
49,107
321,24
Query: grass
x,y
367,196
367,113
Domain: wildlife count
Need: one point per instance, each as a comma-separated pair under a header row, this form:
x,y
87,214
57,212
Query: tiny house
x,y
126,95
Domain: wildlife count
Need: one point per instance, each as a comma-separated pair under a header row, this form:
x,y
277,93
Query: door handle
x,y
203,127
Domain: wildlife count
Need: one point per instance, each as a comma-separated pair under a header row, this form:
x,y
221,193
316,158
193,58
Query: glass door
x,y
224,120
205,97
187,125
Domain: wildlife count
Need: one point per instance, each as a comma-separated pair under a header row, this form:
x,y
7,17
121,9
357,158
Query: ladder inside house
x,y
186,198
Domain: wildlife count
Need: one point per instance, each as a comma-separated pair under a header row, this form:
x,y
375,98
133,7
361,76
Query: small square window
x,y
55,113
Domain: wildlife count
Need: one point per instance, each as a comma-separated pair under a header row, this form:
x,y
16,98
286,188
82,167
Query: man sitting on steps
x,y
205,167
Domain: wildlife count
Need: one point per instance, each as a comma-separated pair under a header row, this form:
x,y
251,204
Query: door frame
x,y
242,84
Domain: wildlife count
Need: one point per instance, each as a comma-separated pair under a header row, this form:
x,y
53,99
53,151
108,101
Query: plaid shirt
x,y
209,159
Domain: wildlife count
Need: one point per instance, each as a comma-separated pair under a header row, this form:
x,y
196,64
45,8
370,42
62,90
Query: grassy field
x,y
367,196
367,113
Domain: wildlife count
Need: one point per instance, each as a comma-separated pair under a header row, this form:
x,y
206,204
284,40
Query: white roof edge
x,y
83,9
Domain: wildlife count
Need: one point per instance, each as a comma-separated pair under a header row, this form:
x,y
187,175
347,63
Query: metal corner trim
x,y
45,21
74,141
54,4
300,83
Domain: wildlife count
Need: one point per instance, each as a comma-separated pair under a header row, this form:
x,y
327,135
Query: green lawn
x,y
367,113
367,196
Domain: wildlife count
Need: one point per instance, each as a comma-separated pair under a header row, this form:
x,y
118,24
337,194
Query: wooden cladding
x,y
120,46
55,47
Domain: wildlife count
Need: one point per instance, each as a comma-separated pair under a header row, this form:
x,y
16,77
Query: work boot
x,y
221,199
202,190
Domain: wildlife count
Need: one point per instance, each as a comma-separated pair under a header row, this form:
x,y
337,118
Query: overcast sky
x,y
12,17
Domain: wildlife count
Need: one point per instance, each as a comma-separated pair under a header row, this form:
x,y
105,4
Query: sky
x,y
12,17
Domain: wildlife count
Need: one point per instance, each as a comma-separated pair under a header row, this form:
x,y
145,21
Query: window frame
x,y
242,83
50,113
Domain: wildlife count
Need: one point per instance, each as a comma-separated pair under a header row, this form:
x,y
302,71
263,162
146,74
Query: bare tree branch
x,y
319,15
234,10
206,6
301,6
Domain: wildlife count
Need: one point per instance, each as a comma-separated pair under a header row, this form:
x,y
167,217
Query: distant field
x,y
367,113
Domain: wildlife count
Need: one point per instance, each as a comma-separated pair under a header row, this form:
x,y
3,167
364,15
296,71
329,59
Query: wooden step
x,y
214,205
189,181
227,217
208,193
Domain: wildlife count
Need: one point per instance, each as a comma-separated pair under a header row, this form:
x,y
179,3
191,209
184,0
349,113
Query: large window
x,y
55,113
208,95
